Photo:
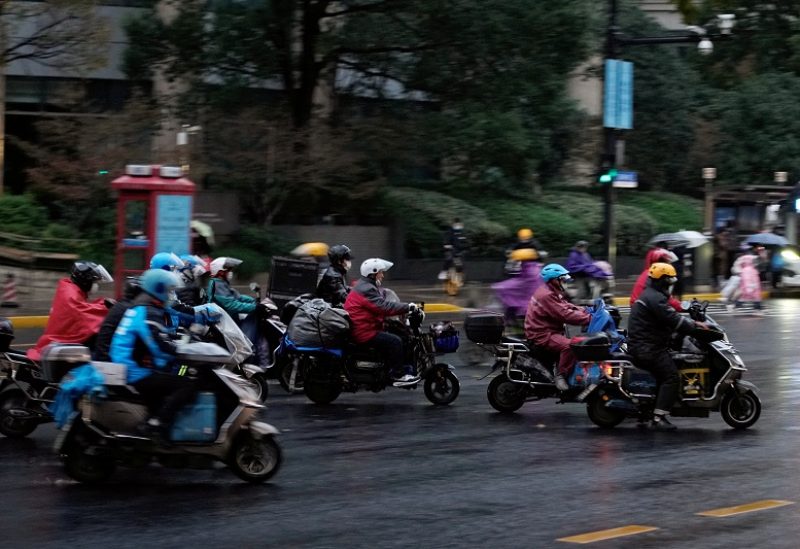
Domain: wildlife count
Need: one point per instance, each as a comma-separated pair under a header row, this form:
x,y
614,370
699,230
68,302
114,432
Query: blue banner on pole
x,y
618,94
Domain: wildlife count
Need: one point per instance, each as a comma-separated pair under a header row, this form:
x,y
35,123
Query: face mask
x,y
670,288
346,264
172,298
95,287
229,276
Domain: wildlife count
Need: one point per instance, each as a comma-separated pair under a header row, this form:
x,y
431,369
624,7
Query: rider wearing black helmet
x,y
73,318
333,287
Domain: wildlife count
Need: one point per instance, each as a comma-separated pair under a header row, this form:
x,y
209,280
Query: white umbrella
x,y
204,230
695,238
688,239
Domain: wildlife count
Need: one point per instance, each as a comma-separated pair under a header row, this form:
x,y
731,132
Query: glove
x,y
262,310
108,302
412,307
207,315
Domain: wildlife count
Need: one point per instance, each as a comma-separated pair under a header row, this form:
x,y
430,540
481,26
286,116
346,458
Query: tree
x,y
76,157
759,132
57,33
480,83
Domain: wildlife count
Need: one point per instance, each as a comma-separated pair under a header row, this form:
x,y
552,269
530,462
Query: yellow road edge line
x,y
28,321
745,508
602,535
442,308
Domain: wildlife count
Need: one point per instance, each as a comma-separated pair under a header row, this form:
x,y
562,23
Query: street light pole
x,y
614,41
610,146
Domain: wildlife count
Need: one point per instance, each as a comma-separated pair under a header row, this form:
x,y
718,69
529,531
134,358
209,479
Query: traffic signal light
x,y
608,176
102,172
607,171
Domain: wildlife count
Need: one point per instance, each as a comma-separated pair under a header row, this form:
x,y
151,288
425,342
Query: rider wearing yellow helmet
x,y
650,327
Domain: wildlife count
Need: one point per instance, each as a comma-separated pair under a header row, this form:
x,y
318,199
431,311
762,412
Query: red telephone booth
x,y
154,211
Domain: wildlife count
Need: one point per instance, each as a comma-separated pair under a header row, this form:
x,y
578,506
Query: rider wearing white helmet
x,y
220,291
368,306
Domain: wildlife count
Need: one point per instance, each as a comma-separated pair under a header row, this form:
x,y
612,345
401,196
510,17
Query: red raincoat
x,y
547,313
653,256
73,318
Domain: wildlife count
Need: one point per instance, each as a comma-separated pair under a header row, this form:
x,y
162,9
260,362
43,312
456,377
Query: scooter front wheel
x,y
504,395
442,386
255,459
742,410
261,386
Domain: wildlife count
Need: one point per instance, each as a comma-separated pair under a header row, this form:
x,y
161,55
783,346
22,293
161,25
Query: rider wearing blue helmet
x,y
548,312
192,273
184,312
143,342
166,261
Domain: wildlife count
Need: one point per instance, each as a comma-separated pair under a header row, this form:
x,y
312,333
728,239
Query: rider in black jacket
x,y
650,327
333,287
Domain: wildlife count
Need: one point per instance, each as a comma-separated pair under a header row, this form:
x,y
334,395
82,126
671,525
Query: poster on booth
x,y
172,224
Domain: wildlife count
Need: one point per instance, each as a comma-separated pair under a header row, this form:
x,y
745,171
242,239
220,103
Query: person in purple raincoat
x,y
583,268
515,293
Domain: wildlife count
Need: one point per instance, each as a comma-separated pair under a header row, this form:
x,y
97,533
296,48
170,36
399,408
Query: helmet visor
x,y
102,274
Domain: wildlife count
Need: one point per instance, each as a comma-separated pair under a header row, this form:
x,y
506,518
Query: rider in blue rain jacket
x,y
143,342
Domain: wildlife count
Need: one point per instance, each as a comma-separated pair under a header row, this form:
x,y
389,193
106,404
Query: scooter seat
x,y
621,356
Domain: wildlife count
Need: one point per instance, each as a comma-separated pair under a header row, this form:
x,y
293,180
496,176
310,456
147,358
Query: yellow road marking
x,y
746,508
442,308
28,321
602,535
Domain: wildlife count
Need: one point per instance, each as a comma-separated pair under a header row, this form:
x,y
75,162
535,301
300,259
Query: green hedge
x,y
558,218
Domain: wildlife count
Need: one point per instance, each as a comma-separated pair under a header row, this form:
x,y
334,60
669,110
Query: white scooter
x,y
220,426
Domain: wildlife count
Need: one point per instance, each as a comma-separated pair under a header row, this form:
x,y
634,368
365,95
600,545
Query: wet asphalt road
x,y
391,470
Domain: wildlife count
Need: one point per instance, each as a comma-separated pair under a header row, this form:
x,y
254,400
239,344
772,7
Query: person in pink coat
x,y
749,283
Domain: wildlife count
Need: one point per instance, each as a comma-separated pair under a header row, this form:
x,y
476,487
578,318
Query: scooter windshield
x,y
235,340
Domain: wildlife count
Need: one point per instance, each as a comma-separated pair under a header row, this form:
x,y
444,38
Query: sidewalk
x,y
480,295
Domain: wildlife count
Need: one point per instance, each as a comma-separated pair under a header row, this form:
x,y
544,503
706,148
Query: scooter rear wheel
x,y
602,416
255,459
285,370
11,426
87,468
505,395
322,392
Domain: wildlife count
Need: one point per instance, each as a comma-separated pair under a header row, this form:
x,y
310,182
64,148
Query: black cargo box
x,y
291,277
594,347
485,327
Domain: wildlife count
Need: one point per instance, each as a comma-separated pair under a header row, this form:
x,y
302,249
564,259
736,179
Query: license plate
x,y
586,392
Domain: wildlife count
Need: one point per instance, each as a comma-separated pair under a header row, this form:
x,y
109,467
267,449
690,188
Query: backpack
x,y
317,324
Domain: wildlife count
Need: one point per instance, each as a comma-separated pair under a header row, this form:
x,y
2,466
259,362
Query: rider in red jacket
x,y
368,306
73,318
655,255
548,311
